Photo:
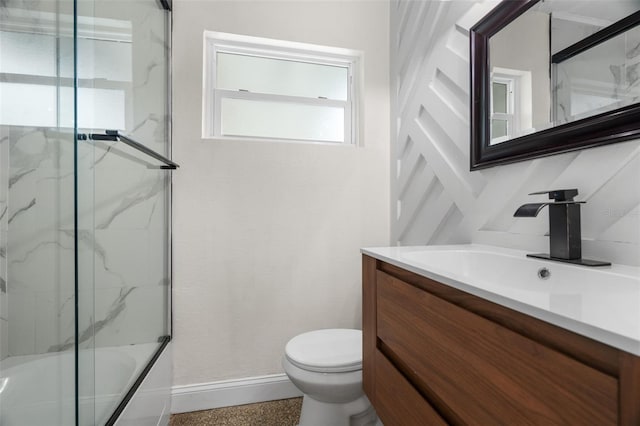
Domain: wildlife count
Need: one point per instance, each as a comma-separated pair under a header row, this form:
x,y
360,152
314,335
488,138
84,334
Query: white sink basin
x,y
599,302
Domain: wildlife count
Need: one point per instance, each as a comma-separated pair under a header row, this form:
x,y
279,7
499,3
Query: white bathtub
x,y
39,390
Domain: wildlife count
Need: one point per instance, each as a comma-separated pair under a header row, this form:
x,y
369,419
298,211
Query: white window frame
x,y
216,42
511,117
519,103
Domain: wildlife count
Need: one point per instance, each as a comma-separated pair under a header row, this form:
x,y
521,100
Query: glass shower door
x,y
37,319
84,213
123,198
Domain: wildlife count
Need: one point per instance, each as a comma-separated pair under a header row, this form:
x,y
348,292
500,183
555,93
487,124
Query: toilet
x,y
326,365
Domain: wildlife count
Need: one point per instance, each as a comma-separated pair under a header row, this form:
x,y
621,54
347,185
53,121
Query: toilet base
x,y
359,412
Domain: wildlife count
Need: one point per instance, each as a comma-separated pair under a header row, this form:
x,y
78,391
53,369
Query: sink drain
x,y
544,273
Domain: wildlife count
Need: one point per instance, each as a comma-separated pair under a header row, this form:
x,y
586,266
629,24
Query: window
x,y
512,106
502,106
268,89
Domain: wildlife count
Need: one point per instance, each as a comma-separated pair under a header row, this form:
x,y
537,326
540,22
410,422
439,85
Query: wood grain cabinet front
x,y
434,355
399,403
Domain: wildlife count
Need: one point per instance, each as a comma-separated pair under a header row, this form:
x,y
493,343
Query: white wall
x,y
266,234
528,33
435,197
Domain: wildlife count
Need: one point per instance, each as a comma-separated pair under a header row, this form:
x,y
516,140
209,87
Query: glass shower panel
x,y
85,224
84,259
37,317
123,198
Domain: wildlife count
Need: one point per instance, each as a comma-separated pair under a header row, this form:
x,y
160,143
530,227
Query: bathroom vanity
x,y
480,335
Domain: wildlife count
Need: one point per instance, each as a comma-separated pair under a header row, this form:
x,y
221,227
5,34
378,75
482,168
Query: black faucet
x,y
565,240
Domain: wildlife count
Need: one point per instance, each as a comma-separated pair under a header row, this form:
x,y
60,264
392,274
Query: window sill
x,y
277,141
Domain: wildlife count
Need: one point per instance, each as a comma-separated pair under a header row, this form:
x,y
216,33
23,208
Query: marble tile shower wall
x,y
122,221
39,238
131,271
129,230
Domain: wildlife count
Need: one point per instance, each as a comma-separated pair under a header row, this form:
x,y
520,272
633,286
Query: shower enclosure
x,y
84,206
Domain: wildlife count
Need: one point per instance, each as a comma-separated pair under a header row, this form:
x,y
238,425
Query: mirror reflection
x,y
561,61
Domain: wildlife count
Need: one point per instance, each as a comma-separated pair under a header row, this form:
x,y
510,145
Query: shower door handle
x,y
114,136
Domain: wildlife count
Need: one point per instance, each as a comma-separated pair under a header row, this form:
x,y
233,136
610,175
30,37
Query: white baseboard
x,y
205,396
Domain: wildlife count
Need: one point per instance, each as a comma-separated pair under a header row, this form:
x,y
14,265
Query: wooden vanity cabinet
x,y
434,355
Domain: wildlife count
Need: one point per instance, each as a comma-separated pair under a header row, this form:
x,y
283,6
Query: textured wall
x,y
267,234
436,199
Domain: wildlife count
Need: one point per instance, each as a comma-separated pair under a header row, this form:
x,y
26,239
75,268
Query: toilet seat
x,y
326,351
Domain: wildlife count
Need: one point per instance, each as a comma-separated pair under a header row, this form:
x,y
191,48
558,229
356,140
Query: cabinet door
x,y
482,373
397,402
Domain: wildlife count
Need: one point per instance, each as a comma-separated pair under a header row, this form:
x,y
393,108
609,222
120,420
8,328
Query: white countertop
x,y
602,303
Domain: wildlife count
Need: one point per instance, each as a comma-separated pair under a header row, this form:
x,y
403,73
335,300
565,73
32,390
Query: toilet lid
x,y
331,350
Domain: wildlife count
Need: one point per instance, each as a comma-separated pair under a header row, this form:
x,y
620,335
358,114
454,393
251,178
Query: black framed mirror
x,y
522,110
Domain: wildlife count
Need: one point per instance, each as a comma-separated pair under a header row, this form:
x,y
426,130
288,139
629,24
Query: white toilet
x,y
326,365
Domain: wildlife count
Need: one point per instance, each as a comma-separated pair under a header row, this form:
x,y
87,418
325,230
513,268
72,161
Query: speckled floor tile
x,y
285,412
